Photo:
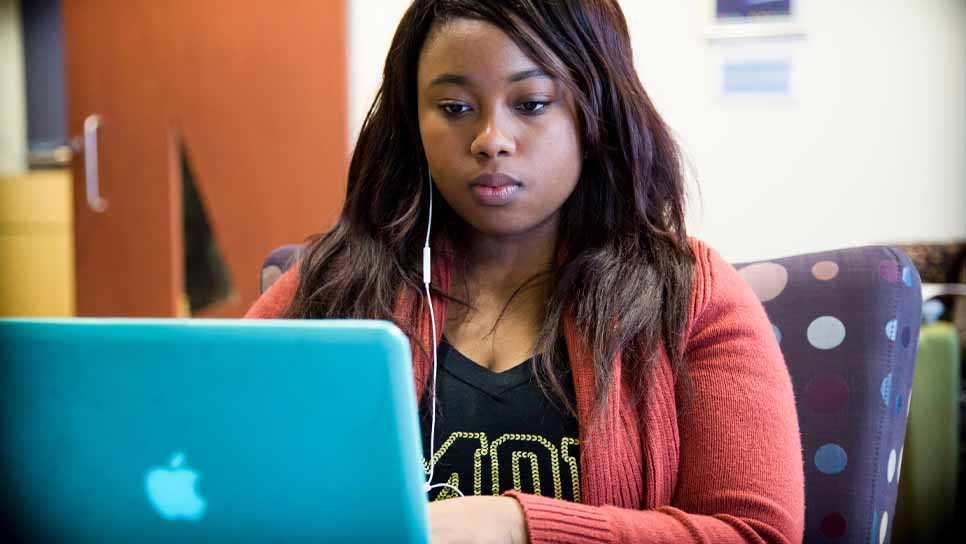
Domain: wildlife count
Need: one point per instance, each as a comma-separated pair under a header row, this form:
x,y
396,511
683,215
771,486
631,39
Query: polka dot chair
x,y
847,322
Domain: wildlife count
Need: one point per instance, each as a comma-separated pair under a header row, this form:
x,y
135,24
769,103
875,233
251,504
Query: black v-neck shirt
x,y
497,431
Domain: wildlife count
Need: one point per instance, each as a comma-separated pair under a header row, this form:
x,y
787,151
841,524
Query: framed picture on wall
x,y
738,19
752,9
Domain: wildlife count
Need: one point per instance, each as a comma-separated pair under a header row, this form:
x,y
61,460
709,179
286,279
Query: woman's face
x,y
485,109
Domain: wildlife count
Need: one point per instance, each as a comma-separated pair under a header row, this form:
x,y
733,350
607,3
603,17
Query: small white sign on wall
x,y
749,76
754,71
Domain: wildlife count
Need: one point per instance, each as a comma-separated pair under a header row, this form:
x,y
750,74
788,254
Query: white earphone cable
x,y
432,320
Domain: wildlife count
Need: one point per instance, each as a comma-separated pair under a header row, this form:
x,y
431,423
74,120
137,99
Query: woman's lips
x,y
495,196
495,189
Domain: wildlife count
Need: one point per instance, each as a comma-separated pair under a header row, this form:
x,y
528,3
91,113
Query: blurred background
x,y
223,129
152,153
218,130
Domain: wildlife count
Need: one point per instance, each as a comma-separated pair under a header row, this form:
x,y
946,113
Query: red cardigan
x,y
729,469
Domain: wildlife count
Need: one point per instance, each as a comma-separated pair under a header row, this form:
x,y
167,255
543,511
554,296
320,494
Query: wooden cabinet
x,y
36,245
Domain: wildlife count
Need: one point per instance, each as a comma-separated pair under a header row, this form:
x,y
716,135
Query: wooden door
x,y
126,256
253,92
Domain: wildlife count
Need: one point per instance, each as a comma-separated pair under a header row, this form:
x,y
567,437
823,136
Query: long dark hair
x,y
626,277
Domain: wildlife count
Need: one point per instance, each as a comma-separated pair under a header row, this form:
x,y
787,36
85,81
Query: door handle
x,y
95,201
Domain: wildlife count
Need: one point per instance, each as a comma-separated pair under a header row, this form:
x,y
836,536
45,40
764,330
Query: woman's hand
x,y
489,520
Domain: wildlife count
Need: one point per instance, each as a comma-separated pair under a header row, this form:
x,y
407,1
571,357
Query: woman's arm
x,y
740,477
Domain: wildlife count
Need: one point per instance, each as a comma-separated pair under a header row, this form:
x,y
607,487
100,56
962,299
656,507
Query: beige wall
x,y
13,102
868,149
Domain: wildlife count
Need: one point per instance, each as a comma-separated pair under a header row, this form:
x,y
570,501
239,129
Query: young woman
x,y
601,376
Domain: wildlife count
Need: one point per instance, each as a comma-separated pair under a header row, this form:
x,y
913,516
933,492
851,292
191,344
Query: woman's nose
x,y
492,141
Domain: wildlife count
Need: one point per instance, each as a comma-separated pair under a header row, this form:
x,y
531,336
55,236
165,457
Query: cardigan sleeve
x,y
274,301
740,477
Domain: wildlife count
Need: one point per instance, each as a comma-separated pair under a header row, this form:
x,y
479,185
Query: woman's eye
x,y
534,106
453,109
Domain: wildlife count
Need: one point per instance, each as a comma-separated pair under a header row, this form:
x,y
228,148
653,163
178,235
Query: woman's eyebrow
x,y
457,79
526,74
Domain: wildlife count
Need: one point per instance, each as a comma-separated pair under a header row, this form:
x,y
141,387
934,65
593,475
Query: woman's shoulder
x,y
717,284
706,259
272,303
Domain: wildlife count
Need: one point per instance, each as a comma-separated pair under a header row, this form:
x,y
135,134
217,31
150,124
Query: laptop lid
x,y
124,430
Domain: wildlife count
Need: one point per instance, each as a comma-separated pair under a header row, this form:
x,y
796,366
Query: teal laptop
x,y
155,430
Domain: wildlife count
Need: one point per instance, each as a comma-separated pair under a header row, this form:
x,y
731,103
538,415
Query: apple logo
x,y
172,491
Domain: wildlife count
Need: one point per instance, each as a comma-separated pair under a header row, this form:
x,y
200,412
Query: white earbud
x,y
432,320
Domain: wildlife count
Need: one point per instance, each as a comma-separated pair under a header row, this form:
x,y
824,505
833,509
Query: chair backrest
x,y
847,322
848,325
